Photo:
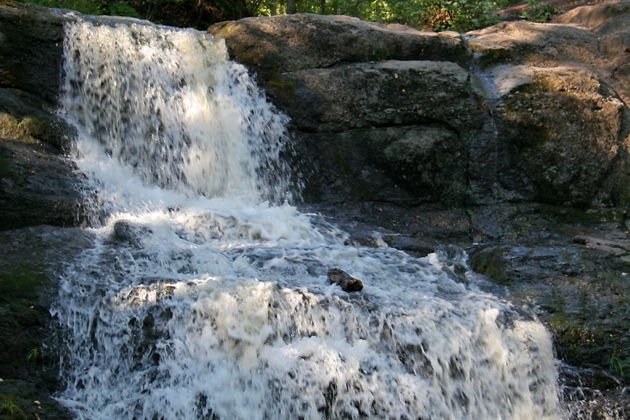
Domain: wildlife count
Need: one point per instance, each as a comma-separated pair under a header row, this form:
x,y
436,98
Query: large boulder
x,y
520,111
381,112
277,44
31,43
610,22
38,184
561,134
390,131
563,128
386,93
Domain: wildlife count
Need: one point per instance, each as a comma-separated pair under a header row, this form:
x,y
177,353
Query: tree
x,y
459,15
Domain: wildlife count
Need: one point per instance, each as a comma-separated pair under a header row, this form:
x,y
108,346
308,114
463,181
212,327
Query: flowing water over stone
x,y
206,296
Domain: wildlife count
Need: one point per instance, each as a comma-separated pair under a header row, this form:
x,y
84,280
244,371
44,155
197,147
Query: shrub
x,y
539,12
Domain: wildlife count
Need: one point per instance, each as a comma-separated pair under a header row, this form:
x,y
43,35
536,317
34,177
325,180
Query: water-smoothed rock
x,y
38,185
344,280
127,232
277,44
31,260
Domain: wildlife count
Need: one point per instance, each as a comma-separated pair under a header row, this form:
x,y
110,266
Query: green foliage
x,y
23,282
33,355
539,12
619,366
90,7
459,15
9,408
123,9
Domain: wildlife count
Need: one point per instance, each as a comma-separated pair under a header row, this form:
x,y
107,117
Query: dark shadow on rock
x,y
37,186
31,261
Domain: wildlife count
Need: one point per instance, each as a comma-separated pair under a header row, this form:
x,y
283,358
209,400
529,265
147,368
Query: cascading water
x,y
201,300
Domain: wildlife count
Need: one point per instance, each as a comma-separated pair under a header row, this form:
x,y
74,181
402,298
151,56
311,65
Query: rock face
x,y
519,112
609,22
30,46
563,125
30,261
38,185
286,43
382,112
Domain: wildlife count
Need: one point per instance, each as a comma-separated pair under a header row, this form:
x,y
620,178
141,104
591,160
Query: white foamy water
x,y
201,300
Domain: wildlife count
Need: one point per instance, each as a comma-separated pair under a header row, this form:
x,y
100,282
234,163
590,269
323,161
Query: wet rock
x,y
31,260
37,186
24,117
344,280
577,289
31,50
614,247
415,246
125,231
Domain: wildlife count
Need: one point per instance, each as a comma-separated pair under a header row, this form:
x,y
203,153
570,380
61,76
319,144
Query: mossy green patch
x,y
620,365
10,408
22,282
283,89
281,85
581,344
495,56
492,264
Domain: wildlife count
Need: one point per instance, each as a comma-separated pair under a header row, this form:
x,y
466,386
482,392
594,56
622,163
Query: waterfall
x,y
205,294
172,107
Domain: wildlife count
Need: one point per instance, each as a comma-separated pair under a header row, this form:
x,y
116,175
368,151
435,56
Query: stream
x,y
205,295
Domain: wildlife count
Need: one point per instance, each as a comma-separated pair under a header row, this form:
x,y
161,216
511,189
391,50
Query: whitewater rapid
x,y
205,295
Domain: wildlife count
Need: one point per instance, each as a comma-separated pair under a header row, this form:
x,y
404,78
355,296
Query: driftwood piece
x,y
344,280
